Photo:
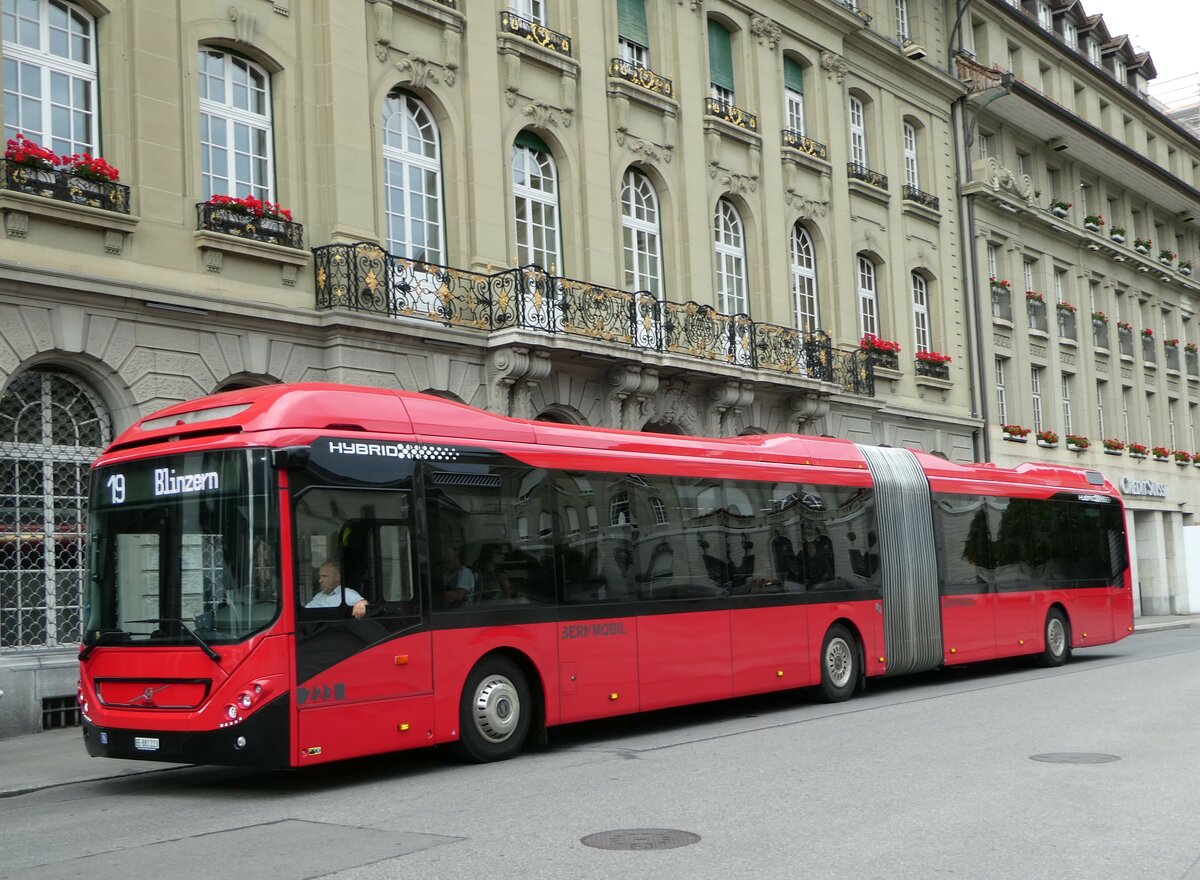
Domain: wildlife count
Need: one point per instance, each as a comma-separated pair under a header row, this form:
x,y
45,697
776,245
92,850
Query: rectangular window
x,y
858,133
1027,270
1035,384
902,30
1100,387
1066,404
1125,411
532,10
920,294
868,306
632,32
1001,393
993,261
793,95
720,63
1070,34
912,175
985,146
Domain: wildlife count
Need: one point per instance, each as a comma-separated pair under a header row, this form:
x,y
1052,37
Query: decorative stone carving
x,y
673,406
243,25
835,66
1002,179
630,386
766,30
731,180
16,224
419,72
693,5
544,115
512,374
807,208
807,409
639,147
727,399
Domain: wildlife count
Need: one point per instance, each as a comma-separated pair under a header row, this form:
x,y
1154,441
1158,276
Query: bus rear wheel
x,y
1058,639
839,664
495,711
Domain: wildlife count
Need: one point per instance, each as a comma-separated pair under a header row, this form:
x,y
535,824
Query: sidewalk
x,y
58,757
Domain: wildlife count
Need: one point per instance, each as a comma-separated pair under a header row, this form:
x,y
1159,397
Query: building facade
x,y
1084,209
693,216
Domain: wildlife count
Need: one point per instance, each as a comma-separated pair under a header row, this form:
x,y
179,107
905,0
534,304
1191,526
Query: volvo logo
x,y
1145,488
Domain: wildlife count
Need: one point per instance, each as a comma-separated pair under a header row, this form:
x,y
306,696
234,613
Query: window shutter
x,y
720,56
631,22
527,138
793,76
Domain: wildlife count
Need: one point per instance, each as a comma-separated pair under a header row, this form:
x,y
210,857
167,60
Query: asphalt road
x,y
924,777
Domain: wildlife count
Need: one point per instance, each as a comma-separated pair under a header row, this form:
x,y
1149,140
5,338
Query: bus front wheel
x,y
495,711
839,664
1058,639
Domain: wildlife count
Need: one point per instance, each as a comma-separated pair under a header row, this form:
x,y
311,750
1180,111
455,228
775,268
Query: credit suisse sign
x,y
1143,488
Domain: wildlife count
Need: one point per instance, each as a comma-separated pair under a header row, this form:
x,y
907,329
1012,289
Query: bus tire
x,y
839,664
1058,639
495,711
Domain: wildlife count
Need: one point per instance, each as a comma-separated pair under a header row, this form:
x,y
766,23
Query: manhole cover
x,y
640,838
1074,758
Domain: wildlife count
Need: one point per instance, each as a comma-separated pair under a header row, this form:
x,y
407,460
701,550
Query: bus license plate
x,y
146,743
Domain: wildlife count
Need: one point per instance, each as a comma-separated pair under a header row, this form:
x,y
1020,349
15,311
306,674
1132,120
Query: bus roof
x,y
316,409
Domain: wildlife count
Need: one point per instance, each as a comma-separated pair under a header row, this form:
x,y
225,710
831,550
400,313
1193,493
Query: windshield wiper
x,y
101,638
195,638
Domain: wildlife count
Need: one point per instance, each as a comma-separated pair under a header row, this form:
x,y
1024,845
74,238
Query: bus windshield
x,y
183,550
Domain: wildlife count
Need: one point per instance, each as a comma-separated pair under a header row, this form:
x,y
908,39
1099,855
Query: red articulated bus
x,y
289,575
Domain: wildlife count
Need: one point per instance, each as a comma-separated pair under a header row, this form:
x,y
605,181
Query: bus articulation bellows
x,y
520,575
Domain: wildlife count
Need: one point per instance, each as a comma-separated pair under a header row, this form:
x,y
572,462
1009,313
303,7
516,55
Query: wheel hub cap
x,y
496,708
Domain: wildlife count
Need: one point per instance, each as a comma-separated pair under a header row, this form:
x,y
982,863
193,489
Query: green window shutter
x,y
793,76
720,56
631,21
527,138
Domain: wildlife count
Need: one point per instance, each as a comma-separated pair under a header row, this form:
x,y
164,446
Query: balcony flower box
x,y
1117,234
933,364
1182,457
1160,453
1066,308
1138,450
81,179
1113,446
251,219
1000,285
1060,208
1185,267
1077,443
882,352
1166,256
1048,439
1099,319
1142,245
1015,433
1190,347
1147,333
1093,222
1034,298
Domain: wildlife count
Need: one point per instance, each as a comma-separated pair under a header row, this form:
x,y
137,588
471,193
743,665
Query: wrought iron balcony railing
x,y
635,73
231,221
733,115
66,186
804,144
912,194
535,33
363,277
861,172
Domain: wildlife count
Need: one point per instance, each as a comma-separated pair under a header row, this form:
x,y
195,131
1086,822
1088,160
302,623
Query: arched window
x,y
858,133
535,203
920,295
729,243
412,162
235,126
51,429
868,302
804,280
639,234
660,511
50,75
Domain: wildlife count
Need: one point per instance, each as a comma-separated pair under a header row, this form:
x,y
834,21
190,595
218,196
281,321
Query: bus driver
x,y
333,594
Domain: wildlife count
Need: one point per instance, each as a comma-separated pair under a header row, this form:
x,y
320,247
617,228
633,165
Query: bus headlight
x,y
232,711
245,700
